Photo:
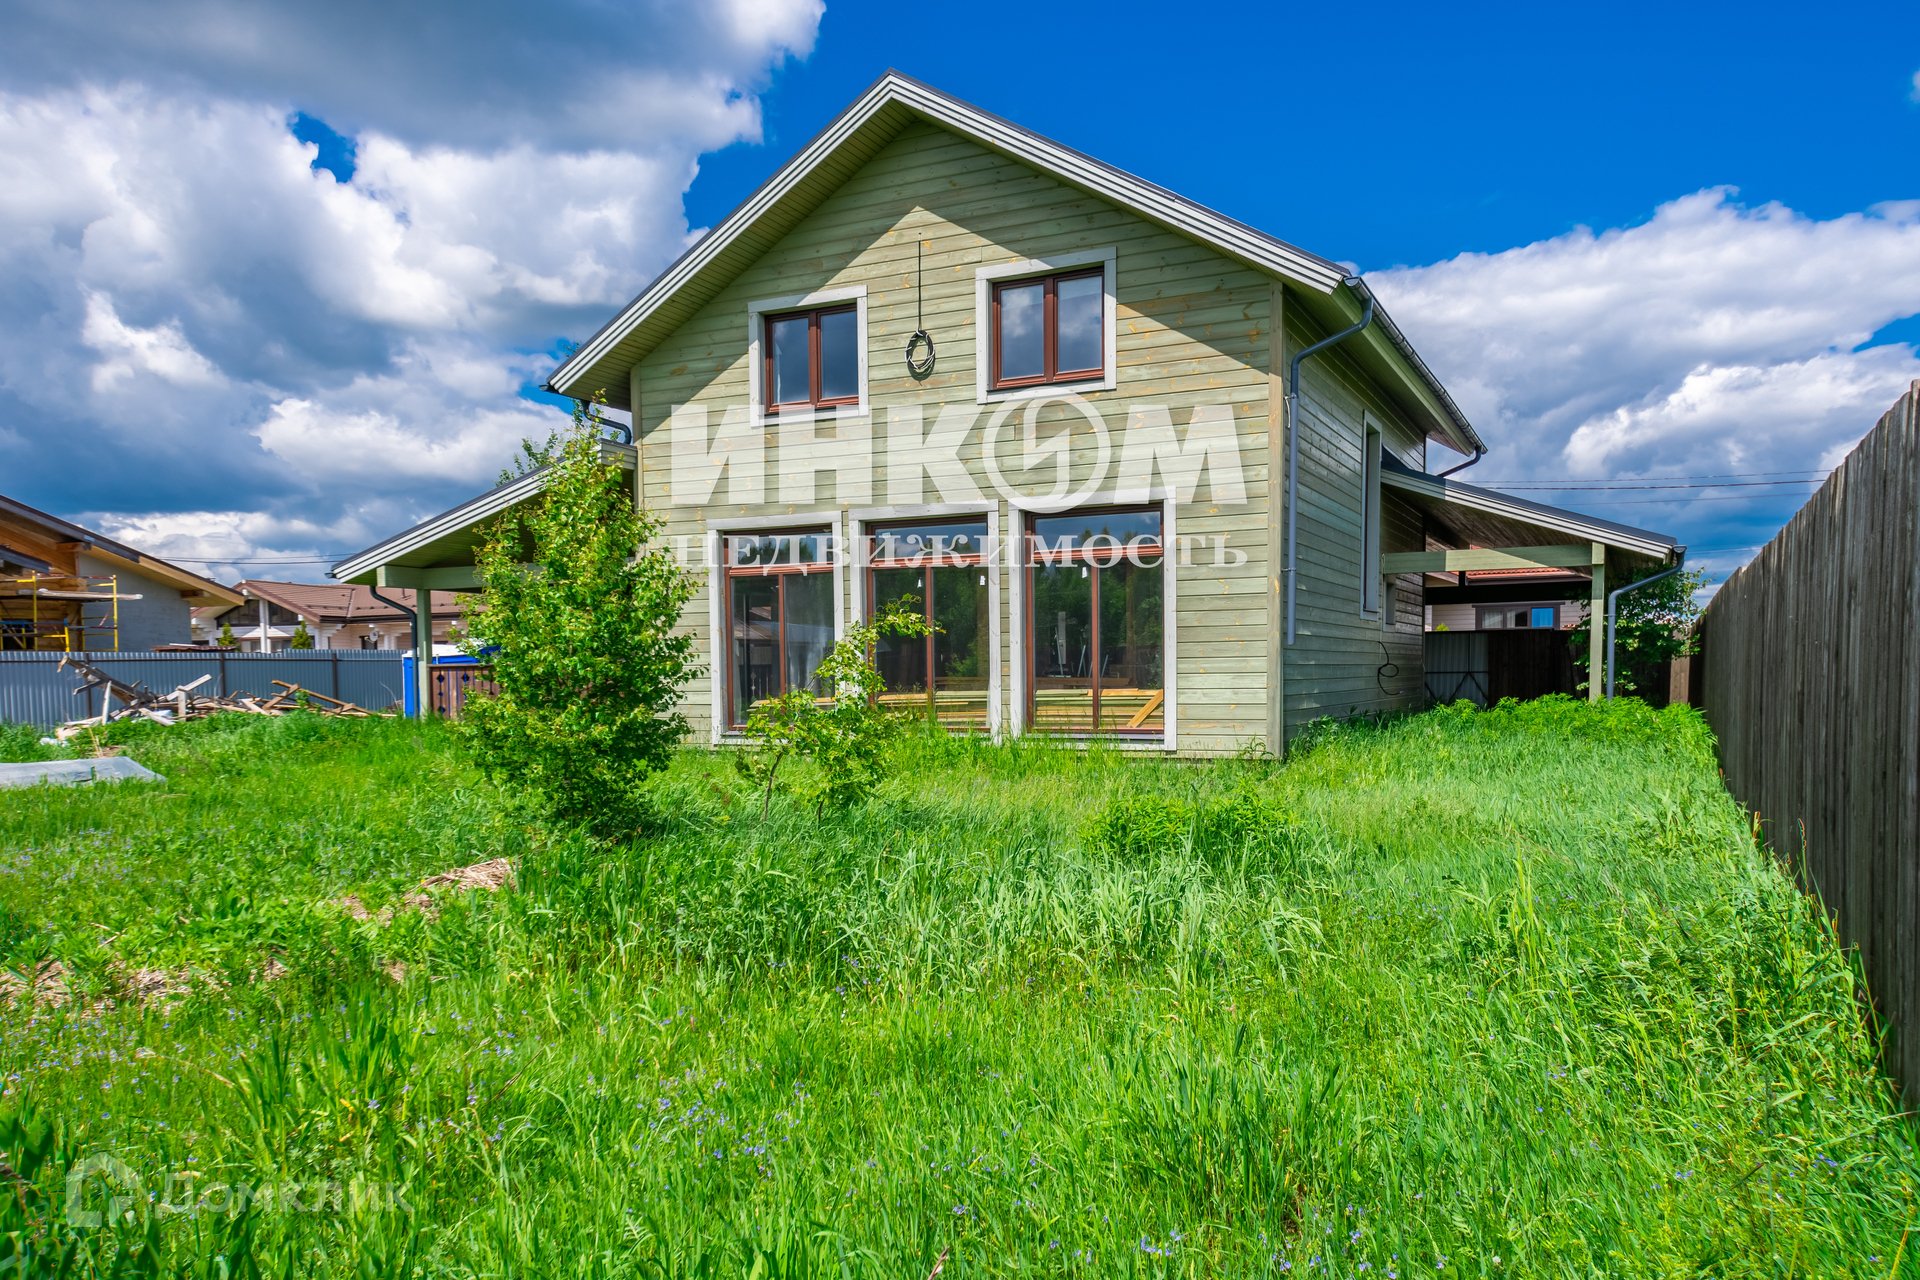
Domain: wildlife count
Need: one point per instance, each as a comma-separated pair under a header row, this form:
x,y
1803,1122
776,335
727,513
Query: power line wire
x,y
1736,475
1644,502
1624,487
225,560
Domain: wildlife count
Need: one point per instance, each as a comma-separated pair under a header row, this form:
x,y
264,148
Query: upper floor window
x,y
813,358
1049,329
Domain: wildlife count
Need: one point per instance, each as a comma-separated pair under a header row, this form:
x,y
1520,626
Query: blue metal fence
x,y
33,689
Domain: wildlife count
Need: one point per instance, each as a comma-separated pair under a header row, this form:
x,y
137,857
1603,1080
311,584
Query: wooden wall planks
x,y
1809,673
1193,327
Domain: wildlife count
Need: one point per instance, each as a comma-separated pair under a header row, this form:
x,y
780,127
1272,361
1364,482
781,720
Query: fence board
x,y
1809,672
33,689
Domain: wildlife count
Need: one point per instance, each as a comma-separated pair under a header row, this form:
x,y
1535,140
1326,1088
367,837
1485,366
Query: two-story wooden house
x,y
938,356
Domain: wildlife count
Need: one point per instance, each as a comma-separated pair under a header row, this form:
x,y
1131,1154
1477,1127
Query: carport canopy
x,y
1495,530
438,554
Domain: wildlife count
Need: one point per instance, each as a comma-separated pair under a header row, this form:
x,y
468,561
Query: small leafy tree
x,y
226,634
301,638
844,735
1651,626
578,614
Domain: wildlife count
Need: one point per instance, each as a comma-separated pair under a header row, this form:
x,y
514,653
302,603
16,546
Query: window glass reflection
x,y
1023,352
1078,347
791,380
839,356
762,550
929,541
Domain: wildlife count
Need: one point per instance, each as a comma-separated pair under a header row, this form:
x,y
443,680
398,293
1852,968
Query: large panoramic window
x,y
813,358
940,569
1094,580
1049,329
779,614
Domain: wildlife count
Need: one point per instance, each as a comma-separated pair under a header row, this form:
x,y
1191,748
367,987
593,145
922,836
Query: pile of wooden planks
x,y
122,701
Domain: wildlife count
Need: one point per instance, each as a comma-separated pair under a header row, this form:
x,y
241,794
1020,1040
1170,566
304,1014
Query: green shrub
x,y
582,641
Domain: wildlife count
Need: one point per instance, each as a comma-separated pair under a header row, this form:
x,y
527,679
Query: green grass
x,y
1502,993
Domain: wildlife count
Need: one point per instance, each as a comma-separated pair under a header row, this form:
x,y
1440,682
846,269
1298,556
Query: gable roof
x,y
878,116
449,539
61,533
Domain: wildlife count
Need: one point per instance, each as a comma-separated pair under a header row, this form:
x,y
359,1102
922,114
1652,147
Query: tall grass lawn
x,y
1500,993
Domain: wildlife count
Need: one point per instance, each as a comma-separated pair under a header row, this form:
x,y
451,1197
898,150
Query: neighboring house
x,y
63,587
1505,600
337,617
938,356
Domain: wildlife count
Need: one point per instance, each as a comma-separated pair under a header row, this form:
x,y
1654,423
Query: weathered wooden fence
x,y
1809,672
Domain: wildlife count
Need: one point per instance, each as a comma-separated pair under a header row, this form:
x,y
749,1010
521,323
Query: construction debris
x,y
493,876
72,773
136,701
44,983
496,874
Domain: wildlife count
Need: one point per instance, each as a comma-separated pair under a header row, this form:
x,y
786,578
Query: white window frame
x,y
857,522
721,664
1169,618
984,279
757,312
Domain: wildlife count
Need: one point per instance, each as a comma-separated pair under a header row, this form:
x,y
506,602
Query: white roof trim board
x,y
1572,523
464,517
1116,185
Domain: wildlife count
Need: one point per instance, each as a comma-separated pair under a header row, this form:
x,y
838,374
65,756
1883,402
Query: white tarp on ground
x,y
74,772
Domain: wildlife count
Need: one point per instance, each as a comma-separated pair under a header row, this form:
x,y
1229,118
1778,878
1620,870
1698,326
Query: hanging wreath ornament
x,y
919,366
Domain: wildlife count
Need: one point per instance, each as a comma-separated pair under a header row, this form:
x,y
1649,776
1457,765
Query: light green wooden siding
x,y
1192,330
1333,667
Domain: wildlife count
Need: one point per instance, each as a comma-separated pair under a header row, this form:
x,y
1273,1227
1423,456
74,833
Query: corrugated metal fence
x,y
33,689
1809,672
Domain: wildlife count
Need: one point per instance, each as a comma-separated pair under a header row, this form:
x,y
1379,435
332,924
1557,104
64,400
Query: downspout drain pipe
x,y
1293,441
1614,596
413,626
1478,454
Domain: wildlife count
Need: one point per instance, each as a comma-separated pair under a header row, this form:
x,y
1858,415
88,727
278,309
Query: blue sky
x,y
286,278
1430,130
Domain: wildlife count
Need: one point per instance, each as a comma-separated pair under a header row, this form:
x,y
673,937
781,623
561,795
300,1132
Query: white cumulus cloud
x,y
192,307
1712,339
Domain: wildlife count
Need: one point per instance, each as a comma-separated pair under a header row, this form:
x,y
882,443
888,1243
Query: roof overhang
x,y
447,541
192,586
1487,518
34,564
69,535
603,364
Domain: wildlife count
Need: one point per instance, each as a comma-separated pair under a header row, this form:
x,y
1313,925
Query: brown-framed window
x,y
779,614
812,358
1095,621
1049,329
940,568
